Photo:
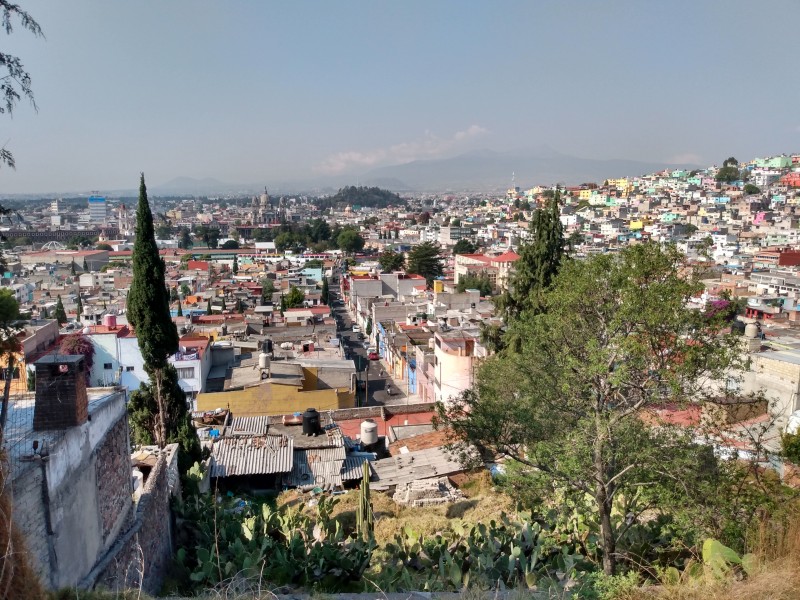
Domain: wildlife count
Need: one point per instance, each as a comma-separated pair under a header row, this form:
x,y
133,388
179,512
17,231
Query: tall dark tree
x,y
60,314
235,268
180,308
426,259
325,296
149,313
208,307
79,307
540,260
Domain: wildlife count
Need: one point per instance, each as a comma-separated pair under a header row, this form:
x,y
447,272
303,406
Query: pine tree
x,y
208,307
180,308
85,265
540,260
325,296
235,265
60,314
79,307
149,313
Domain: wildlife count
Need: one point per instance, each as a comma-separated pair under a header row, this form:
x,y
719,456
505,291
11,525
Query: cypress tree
x,y
325,296
224,308
79,307
149,313
180,308
540,260
235,265
60,314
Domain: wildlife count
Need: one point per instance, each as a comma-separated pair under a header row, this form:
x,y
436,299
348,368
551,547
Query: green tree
x,y
749,188
185,290
325,295
729,171
230,245
295,297
464,246
267,290
9,347
235,265
185,239
368,328
158,406
614,343
541,257
482,283
350,241
426,259
223,308
391,261
208,307
79,307
104,246
180,308
149,313
60,314
16,83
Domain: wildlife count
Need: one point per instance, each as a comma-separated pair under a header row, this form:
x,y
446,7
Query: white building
x,y
98,210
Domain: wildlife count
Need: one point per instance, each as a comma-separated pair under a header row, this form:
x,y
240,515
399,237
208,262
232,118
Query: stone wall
x,y
141,556
113,474
71,504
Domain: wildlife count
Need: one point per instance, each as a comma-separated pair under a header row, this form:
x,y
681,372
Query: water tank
x,y
369,432
311,422
751,331
87,330
263,360
110,321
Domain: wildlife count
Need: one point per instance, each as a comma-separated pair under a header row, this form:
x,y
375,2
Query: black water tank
x,y
311,422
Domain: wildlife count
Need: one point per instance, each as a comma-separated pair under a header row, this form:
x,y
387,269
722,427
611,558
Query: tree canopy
x,y
425,259
464,246
482,283
350,241
576,407
16,83
294,298
372,197
391,261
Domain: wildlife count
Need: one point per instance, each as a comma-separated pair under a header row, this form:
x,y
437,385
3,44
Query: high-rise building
x,y
98,210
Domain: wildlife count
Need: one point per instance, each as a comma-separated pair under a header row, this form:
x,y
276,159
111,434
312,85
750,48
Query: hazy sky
x,y
252,91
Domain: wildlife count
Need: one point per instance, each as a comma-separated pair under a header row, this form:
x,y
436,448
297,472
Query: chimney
x,y
61,399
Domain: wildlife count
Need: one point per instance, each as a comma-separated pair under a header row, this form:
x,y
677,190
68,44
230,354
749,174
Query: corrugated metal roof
x,y
353,468
249,426
423,464
252,455
317,466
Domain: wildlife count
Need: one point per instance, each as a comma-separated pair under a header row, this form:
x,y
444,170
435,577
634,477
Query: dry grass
x,y
777,544
482,503
17,578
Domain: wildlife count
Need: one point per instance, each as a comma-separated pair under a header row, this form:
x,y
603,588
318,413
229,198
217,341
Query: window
x,y
108,366
186,373
128,369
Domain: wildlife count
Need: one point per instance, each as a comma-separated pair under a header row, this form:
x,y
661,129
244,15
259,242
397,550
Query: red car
x,y
373,356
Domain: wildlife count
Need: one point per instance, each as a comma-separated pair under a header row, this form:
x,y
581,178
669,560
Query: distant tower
x,y
98,210
123,218
264,207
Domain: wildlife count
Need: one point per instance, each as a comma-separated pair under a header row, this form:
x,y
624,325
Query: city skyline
x,y
309,91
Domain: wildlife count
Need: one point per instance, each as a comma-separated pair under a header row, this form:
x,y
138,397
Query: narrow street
x,y
370,372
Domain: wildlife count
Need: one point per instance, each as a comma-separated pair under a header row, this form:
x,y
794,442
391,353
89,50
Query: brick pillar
x,y
61,399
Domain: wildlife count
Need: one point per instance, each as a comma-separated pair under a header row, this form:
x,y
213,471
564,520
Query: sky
x,y
267,91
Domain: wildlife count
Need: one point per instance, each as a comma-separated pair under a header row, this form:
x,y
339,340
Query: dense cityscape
x,y
426,355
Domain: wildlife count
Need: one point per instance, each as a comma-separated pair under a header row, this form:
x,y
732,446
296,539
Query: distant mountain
x,y
489,170
204,186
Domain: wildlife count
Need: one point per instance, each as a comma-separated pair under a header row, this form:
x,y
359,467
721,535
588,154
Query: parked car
x,y
391,390
373,356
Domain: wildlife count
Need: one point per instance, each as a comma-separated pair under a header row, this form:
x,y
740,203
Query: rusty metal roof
x,y
321,467
252,455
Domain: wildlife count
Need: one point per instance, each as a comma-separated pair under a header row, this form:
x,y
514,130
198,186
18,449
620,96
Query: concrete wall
x,y
72,505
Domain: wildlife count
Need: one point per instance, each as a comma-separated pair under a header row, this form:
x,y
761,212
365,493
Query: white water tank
x,y
263,360
751,330
369,432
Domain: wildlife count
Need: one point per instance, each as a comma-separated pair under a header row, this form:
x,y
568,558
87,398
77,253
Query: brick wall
x,y
61,399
